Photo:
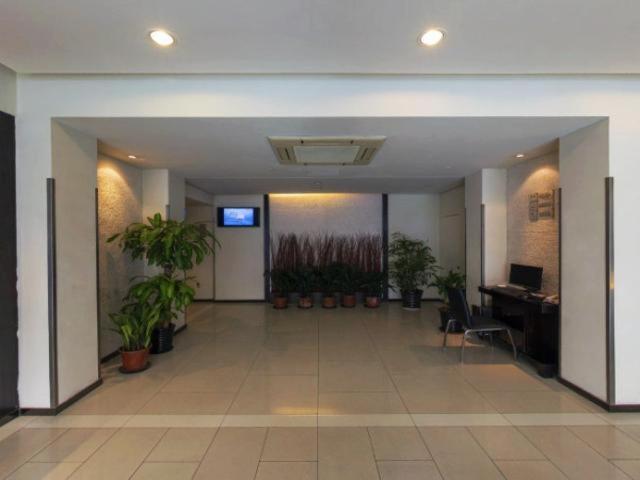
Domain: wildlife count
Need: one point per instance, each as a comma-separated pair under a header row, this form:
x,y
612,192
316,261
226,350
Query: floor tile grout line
x,y
373,453
264,443
37,452
206,451
149,453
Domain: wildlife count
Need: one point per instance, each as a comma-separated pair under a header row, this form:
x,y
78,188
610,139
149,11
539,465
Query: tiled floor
x,y
254,393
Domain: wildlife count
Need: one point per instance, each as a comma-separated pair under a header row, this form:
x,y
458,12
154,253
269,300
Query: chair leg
x,y
464,338
446,331
513,345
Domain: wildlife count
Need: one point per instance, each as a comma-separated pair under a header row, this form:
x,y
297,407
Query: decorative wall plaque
x,y
542,206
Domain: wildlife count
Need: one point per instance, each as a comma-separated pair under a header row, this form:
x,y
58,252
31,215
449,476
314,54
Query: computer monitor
x,y
526,276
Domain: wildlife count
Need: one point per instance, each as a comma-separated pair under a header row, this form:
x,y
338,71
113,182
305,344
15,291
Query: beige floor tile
x,y
529,470
291,444
501,378
431,379
345,453
398,443
286,361
182,445
360,403
572,456
457,454
166,403
551,419
44,471
174,421
234,454
108,403
14,425
354,377
609,441
287,471
75,445
343,348
203,379
630,467
250,420
459,420
80,421
631,430
277,394
505,443
165,471
533,402
406,470
121,455
19,447
465,400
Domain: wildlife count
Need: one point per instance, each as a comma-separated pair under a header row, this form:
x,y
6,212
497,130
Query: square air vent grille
x,y
326,150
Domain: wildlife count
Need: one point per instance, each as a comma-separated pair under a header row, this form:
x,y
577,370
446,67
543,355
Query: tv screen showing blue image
x,y
238,217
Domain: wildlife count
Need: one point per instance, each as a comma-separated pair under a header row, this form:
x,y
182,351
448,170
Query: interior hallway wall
x,y
119,204
239,265
74,163
416,215
452,230
7,90
534,242
204,274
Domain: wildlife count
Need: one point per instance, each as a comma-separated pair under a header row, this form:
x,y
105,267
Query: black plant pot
x,y
412,300
162,339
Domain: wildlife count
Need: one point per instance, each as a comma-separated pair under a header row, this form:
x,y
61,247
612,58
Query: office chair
x,y
472,323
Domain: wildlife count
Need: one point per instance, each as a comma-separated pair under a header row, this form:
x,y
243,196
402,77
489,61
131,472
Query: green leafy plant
x,y
452,279
411,263
169,244
373,283
282,282
169,295
134,322
305,280
349,279
328,279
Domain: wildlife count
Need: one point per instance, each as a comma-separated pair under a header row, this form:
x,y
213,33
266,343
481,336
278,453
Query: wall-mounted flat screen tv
x,y
238,217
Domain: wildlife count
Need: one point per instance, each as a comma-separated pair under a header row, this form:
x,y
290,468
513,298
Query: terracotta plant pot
x,y
372,302
134,361
329,302
348,300
280,303
305,302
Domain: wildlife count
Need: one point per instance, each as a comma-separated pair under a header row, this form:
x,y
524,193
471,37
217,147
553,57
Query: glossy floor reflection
x,y
254,393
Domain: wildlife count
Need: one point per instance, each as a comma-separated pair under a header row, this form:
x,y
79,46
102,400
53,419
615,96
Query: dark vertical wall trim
x,y
482,249
9,401
53,301
609,289
98,277
385,244
267,247
560,282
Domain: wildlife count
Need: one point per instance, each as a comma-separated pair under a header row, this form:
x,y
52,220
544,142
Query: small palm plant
x,y
135,323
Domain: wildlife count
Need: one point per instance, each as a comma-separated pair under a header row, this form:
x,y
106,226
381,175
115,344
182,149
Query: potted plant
x,y
411,266
282,282
453,279
328,276
170,295
173,247
349,280
135,323
373,285
305,279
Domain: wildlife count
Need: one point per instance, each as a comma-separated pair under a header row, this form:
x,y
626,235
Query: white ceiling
x,y
233,155
321,36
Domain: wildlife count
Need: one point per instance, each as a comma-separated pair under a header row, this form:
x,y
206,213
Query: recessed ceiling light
x,y
520,155
132,157
162,38
432,37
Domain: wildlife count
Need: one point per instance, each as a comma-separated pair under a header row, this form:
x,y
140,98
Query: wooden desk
x,y
534,322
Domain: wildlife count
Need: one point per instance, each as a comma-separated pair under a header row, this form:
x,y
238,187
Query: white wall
x,y
203,273
452,230
416,215
198,195
340,213
41,98
74,170
583,169
119,204
240,260
155,192
177,196
7,90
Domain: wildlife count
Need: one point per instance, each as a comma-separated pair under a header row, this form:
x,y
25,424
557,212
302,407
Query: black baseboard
x,y
64,405
6,418
114,354
601,403
423,300
253,300
203,300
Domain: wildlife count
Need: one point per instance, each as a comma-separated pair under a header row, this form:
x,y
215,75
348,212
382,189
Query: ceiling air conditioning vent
x,y
326,150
